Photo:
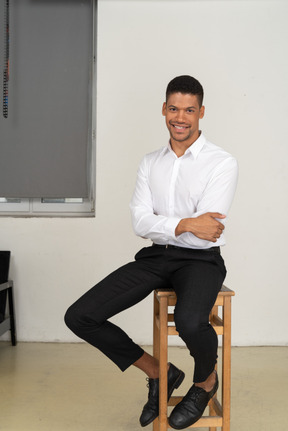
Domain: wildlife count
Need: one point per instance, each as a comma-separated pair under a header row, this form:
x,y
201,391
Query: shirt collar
x,y
194,149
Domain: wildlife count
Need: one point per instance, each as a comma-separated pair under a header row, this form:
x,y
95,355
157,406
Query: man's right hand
x,y
204,226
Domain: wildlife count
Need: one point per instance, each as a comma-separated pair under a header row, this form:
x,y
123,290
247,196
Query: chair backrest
x,y
4,272
4,265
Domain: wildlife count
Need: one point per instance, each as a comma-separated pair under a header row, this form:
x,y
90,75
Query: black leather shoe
x,y
151,408
192,407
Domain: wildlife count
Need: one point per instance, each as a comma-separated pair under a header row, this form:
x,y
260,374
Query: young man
x,y
182,196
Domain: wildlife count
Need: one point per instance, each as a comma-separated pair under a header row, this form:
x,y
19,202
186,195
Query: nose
x,y
180,116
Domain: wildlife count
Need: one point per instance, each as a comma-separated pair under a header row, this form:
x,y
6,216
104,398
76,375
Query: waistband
x,y
215,249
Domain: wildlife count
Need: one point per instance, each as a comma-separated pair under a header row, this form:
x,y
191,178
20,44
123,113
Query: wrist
x,y
183,226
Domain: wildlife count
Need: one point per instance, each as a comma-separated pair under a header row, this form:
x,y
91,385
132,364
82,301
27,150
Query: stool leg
x,y
156,344
11,315
156,335
156,340
212,412
163,363
226,364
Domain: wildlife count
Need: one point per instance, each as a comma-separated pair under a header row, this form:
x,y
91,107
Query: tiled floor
x,y
58,387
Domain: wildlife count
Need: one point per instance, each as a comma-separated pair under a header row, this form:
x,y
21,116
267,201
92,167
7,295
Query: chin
x,y
180,139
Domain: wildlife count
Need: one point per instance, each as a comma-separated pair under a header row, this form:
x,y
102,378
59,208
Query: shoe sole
x,y
175,385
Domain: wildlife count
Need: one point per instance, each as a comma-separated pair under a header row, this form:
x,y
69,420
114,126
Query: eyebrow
x,y
188,107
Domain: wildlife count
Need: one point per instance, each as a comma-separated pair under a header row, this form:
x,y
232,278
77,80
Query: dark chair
x,y
6,289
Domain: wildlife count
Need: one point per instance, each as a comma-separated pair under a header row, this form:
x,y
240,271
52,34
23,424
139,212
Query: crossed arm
x,y
204,226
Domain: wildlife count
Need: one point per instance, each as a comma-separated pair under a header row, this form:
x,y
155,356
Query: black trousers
x,y
195,275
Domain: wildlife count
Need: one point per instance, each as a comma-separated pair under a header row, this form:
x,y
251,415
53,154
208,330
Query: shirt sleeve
x,y
146,224
220,190
217,197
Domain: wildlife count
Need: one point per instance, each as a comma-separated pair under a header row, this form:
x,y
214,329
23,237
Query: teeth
x,y
179,127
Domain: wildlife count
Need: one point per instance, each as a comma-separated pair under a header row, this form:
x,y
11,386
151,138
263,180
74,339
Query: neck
x,y
179,147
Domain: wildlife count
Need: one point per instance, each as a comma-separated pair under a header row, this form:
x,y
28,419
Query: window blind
x,y
45,141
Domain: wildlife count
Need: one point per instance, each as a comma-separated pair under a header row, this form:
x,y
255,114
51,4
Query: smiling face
x,y
182,113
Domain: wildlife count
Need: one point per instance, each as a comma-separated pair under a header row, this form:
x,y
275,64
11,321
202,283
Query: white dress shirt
x,y
170,188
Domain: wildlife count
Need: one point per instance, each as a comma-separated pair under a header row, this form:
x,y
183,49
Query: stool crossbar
x,y
219,413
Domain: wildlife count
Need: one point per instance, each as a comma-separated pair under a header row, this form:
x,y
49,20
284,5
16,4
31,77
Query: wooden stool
x,y
219,414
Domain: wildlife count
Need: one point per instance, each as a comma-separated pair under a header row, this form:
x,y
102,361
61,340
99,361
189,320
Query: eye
x,y
190,111
171,109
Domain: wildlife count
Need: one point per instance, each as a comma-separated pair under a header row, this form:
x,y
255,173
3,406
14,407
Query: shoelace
x,y
149,386
151,395
193,394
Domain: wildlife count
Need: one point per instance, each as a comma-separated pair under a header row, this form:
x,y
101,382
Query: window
x,y
46,207
47,140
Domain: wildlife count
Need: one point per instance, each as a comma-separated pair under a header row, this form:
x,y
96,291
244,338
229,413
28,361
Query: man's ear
x,y
202,111
164,109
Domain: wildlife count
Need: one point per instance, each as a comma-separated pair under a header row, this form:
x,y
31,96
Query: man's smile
x,y
179,127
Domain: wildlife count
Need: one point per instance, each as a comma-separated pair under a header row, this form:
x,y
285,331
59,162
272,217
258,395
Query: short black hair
x,y
185,84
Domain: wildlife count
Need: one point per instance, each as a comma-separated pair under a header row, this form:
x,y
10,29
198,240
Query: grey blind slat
x,y
44,142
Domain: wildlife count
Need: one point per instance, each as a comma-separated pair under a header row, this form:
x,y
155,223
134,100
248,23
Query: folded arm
x,y
203,226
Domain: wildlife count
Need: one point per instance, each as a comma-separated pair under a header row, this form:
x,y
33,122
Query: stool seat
x,y
163,325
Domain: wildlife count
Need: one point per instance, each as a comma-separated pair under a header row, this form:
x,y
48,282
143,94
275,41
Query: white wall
x,y
237,49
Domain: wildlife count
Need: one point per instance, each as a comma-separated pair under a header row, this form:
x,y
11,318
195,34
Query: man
x,y
182,192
